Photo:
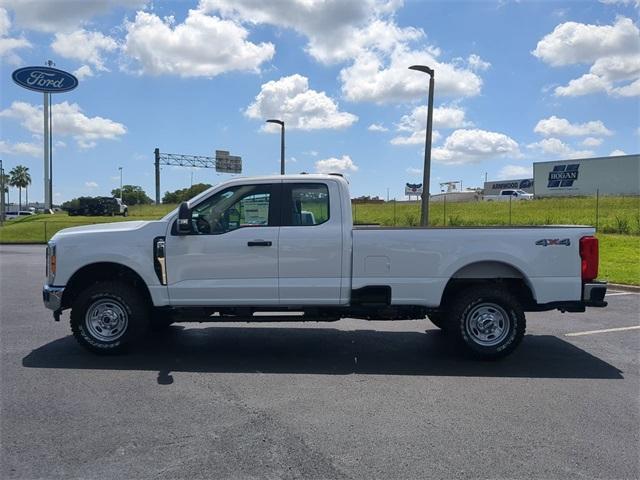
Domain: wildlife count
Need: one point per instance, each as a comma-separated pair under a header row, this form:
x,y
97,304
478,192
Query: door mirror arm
x,y
184,219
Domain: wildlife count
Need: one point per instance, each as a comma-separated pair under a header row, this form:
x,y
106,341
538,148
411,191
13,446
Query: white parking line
x,y
620,293
591,332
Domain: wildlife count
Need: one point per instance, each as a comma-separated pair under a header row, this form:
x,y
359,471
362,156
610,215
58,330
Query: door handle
x,y
259,243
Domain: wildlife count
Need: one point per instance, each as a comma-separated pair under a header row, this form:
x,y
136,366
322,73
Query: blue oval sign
x,y
44,79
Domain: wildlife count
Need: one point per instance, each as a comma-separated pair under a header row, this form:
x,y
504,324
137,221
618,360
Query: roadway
x,y
351,399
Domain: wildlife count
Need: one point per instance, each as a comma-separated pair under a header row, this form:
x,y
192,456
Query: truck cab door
x,y
230,257
310,245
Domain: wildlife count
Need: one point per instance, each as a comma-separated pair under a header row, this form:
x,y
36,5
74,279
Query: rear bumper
x,y
52,298
593,294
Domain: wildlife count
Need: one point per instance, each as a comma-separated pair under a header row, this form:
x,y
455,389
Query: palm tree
x,y
20,178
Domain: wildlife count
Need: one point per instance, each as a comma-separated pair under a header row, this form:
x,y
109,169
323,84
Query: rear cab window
x,y
305,204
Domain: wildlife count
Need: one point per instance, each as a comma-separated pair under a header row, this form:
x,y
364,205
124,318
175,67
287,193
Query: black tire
x,y
488,320
122,307
125,213
439,320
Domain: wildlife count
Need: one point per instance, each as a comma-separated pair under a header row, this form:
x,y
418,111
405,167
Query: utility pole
x,y
426,175
120,168
281,123
156,162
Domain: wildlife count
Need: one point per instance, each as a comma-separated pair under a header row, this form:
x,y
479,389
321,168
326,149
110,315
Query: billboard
x,y
226,163
495,186
413,189
608,175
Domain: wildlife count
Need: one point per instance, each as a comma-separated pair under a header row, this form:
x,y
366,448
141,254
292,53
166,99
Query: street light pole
x,y
120,168
426,173
281,123
1,194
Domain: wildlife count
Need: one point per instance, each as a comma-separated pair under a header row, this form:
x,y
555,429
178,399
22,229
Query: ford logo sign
x,y
44,79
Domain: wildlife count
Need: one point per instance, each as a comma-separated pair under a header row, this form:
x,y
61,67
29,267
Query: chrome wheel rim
x,y
487,324
106,320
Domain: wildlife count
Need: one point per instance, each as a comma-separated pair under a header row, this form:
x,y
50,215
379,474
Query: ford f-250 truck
x,y
251,249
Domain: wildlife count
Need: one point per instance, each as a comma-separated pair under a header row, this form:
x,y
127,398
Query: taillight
x,y
589,257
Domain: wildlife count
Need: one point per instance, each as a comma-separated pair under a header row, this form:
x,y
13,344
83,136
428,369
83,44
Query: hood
x,y
101,228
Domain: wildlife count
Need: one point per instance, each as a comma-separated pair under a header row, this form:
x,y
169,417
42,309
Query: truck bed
x,y
418,262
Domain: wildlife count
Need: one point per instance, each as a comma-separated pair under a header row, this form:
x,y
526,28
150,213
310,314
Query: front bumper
x,y
593,294
52,298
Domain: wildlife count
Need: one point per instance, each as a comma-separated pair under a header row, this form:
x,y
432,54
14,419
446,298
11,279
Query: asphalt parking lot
x,y
351,399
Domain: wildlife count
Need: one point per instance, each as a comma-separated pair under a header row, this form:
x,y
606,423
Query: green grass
x,y
620,259
618,223
615,214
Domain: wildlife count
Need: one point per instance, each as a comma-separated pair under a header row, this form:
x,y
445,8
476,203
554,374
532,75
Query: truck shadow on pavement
x,y
325,351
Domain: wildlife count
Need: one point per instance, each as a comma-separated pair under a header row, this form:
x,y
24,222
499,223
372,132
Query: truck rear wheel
x,y
488,320
108,316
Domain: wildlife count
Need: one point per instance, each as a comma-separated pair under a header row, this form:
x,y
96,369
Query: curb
x,y
625,288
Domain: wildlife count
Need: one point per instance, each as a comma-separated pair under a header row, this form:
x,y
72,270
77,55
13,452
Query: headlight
x,y
51,261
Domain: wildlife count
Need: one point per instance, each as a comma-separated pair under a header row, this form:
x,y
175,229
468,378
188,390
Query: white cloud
x,y
21,148
416,124
631,90
68,119
377,127
373,78
62,15
91,184
5,22
414,171
556,147
85,46
515,171
472,146
584,85
336,30
562,127
336,165
290,99
83,72
365,33
592,142
636,3
573,42
613,51
7,44
476,63
617,153
202,46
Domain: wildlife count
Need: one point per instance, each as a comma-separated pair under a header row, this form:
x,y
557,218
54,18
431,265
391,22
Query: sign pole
x,y
50,153
47,205
47,80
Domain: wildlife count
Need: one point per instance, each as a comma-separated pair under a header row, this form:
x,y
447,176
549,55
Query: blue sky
x,y
516,82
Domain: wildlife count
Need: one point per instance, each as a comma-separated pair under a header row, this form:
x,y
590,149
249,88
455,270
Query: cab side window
x,y
306,204
233,208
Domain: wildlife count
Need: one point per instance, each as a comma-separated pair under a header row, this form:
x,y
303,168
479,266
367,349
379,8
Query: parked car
x,y
22,213
97,206
509,195
251,248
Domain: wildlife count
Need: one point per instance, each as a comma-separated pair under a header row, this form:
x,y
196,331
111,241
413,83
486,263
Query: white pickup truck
x,y
253,249
509,195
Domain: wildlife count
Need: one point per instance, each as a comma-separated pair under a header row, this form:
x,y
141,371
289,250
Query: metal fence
x,y
607,214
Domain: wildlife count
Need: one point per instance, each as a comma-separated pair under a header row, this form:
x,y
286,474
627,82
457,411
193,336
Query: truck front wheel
x,y
488,320
108,316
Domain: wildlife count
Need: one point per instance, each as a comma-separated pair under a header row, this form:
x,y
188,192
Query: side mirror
x,y
184,219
